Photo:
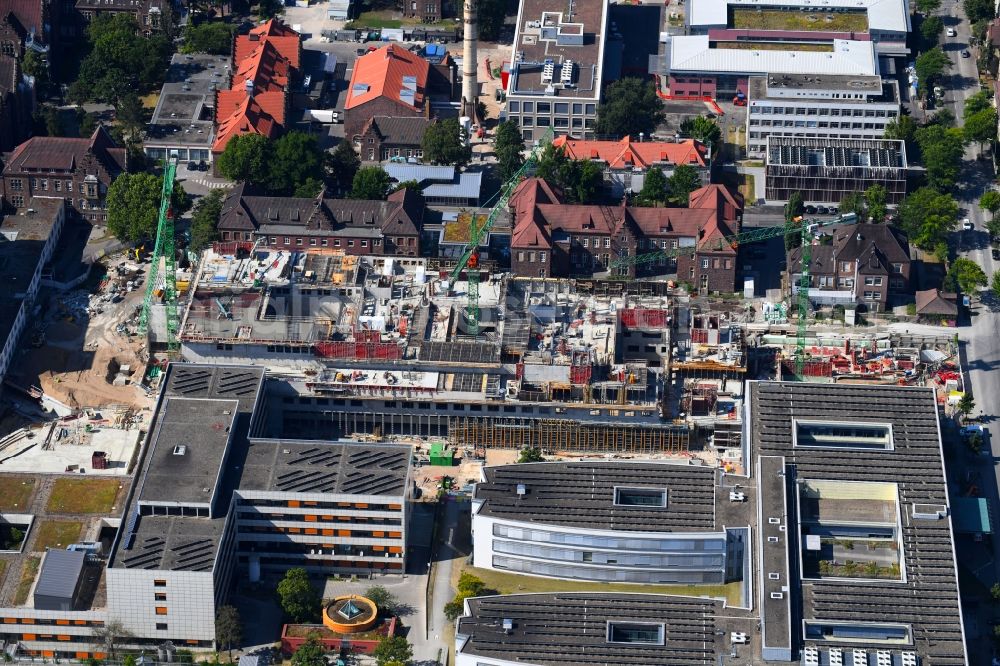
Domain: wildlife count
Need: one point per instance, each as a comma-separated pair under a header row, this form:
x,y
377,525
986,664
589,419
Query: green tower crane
x,y
477,232
808,229
164,249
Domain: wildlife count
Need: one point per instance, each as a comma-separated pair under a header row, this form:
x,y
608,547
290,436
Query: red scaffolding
x,y
643,318
359,350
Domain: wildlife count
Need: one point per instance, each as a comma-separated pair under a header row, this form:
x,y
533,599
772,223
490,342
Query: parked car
x,y
966,54
996,254
192,166
967,224
951,32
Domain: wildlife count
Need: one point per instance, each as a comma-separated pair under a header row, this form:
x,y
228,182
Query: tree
x,y
930,66
53,123
550,164
86,123
228,628
995,284
966,403
927,216
990,201
976,103
205,220
308,189
630,107
246,158
121,60
981,127
682,182
508,146
370,182
341,165
35,65
875,202
210,37
268,9
294,159
942,149
584,182
927,7
703,129
413,185
902,128
854,202
967,275
793,209
444,142
310,653
533,454
931,29
131,116
392,649
110,636
133,203
385,600
979,10
468,586
491,14
299,599
654,188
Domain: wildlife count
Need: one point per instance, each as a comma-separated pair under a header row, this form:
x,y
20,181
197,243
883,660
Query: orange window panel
x,y
48,653
395,507
395,535
395,549
62,622
344,533
293,530
360,505
28,620
82,655
310,503
378,549
345,504
62,637
327,532
191,642
161,610
80,622
311,530
378,535
28,637
10,620
294,504
310,519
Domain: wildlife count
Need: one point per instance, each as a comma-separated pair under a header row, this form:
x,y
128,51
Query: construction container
x,y
442,455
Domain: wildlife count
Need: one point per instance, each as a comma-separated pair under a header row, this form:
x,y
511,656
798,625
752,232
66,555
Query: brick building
x,y
863,263
397,83
384,138
553,239
266,63
17,101
428,11
626,162
151,15
77,170
321,224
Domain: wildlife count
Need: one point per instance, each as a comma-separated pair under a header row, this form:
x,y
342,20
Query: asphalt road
x,y
980,339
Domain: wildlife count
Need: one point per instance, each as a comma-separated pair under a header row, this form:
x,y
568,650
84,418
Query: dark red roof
x,y
29,13
53,153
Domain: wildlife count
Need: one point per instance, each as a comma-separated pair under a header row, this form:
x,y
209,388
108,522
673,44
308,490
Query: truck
x,y
324,115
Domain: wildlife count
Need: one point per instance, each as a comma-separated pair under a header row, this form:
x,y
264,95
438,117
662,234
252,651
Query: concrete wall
x,y
190,603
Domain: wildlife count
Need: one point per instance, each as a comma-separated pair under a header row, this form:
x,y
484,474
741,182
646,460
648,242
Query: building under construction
x,y
827,170
374,346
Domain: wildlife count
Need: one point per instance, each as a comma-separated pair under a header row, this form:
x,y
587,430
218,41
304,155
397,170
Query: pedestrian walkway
x,y
210,184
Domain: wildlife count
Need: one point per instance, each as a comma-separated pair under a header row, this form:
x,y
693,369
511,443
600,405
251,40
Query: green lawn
x,y
83,495
57,534
380,19
776,19
508,583
772,46
28,574
15,491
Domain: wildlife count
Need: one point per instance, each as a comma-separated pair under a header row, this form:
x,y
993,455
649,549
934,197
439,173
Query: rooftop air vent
x,y
522,490
180,450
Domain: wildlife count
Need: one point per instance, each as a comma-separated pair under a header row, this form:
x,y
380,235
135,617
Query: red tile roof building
x,y
77,170
553,239
265,62
391,81
625,162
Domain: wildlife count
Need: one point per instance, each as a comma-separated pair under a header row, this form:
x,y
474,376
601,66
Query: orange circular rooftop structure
x,y
350,614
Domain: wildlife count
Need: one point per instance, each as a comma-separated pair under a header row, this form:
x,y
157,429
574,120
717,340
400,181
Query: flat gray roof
x,y
185,110
173,543
60,573
189,444
572,629
290,466
582,495
927,600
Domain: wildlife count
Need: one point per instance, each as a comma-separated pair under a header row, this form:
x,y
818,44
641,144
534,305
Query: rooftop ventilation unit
x,y
180,450
522,490
508,626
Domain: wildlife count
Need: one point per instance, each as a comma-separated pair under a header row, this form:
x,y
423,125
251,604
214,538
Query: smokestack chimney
x,y
470,86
